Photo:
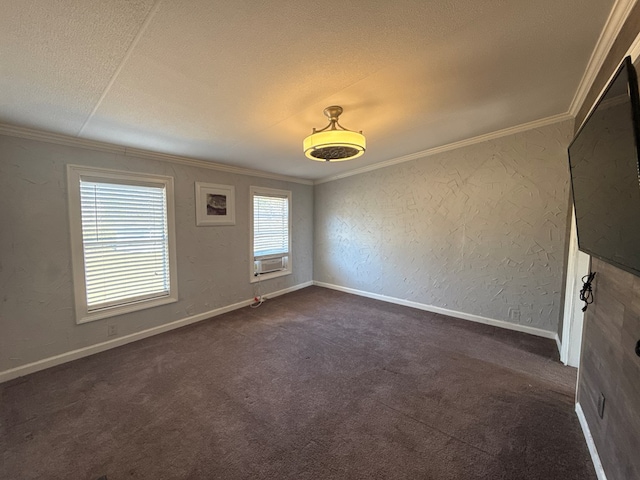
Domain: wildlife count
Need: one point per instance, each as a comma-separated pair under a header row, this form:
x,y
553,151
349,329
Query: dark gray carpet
x,y
316,384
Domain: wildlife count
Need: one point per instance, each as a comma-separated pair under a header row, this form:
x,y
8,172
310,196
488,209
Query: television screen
x,y
605,177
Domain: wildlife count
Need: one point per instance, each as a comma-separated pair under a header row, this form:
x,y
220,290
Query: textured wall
x,y
479,230
37,318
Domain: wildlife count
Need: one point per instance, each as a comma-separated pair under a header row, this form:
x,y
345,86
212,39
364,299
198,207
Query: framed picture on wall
x,y
215,204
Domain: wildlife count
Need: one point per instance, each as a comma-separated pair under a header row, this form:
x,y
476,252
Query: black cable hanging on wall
x,y
586,294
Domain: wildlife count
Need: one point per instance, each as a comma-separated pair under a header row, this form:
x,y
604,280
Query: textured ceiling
x,y
242,83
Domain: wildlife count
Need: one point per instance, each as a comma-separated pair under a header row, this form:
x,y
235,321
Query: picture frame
x,y
215,204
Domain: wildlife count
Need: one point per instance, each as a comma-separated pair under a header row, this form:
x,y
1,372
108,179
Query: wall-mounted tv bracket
x,y
586,294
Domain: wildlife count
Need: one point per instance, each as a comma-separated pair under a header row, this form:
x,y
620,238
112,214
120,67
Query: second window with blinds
x,y
270,233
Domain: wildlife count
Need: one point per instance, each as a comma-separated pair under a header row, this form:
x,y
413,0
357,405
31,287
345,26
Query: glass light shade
x,y
334,141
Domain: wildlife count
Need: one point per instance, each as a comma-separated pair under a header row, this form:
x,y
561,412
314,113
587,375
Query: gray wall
x,y
479,230
37,318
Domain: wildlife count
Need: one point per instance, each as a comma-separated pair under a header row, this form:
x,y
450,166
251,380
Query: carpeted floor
x,y
316,384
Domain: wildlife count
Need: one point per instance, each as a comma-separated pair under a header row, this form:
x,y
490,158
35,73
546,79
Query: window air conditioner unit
x,y
270,265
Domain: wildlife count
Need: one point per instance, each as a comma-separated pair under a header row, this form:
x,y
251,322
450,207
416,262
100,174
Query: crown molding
x,y
634,49
618,15
634,52
32,134
42,136
451,146
165,157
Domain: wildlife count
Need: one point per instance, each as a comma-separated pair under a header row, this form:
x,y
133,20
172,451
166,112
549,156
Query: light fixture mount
x,y
334,143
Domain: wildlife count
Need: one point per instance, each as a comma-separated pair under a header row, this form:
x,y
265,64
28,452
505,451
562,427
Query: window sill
x,y
86,317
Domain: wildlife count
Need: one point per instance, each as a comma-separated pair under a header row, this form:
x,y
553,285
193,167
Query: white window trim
x,y
289,270
74,174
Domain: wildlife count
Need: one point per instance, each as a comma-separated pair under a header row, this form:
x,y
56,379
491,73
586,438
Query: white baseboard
x,y
116,342
444,311
595,458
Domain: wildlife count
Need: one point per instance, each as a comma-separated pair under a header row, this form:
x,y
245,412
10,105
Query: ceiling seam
x,y
116,74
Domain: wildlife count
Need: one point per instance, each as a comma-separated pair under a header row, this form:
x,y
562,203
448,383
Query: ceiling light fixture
x,y
334,143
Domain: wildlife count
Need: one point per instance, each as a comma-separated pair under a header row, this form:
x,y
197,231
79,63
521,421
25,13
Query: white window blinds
x,y
270,225
125,242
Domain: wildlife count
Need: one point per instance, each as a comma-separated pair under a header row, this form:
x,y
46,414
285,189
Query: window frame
x,y
74,175
253,191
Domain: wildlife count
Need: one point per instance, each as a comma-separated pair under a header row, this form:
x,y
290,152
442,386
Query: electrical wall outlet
x,y
514,314
112,330
601,402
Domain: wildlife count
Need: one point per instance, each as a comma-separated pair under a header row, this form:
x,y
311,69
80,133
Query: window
x,y
270,233
122,240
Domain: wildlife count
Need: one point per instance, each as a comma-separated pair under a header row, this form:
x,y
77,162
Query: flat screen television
x,y
605,174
